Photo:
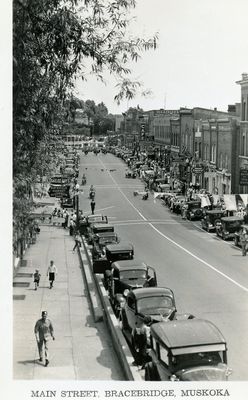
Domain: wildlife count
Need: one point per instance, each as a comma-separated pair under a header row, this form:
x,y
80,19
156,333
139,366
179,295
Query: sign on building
x,y
243,177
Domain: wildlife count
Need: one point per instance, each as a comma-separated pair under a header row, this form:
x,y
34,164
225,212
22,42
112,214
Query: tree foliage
x,y
55,41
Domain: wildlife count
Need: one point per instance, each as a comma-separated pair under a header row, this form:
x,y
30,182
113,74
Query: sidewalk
x,y
82,349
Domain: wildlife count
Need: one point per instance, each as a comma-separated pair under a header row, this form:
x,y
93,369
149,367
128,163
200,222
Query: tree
x,y
55,41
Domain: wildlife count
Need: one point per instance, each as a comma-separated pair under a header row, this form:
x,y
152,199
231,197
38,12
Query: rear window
x,y
133,274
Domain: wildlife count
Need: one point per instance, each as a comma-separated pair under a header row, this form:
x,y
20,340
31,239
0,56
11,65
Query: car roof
x,y
93,217
188,336
226,219
215,212
100,225
115,248
151,291
105,234
129,264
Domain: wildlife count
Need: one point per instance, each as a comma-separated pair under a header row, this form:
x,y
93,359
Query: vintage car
x,y
194,210
153,304
210,219
113,252
98,227
100,241
157,302
128,274
66,202
237,234
228,226
187,350
92,219
130,174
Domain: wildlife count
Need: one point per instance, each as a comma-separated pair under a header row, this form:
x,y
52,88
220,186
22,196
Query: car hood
x,y
218,372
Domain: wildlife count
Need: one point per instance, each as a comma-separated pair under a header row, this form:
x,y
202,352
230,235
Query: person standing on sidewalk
x,y
92,205
51,272
43,330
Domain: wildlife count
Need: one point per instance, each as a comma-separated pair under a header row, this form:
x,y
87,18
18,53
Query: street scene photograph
x,y
128,241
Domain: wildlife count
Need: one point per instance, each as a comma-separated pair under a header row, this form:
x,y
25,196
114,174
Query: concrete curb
x,y
120,345
90,286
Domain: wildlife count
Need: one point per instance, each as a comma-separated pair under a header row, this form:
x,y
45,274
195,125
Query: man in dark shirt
x,y
43,331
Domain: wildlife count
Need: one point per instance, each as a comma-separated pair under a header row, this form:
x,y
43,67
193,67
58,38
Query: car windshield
x,y
97,218
195,359
107,240
119,256
133,274
155,305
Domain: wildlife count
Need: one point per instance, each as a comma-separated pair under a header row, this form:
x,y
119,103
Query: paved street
x,y
82,349
208,276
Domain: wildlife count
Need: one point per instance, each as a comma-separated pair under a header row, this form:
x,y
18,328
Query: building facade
x,y
242,160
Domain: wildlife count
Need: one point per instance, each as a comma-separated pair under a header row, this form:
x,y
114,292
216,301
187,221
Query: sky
x,y
202,52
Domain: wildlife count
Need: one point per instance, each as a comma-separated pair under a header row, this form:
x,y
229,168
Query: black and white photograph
x,y
125,199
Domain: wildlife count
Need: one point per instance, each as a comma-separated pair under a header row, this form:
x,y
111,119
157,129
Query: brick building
x,y
242,142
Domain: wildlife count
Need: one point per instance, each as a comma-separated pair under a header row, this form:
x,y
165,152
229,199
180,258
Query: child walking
x,y
37,276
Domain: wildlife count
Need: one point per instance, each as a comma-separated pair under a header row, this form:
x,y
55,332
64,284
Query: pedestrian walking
x,y
92,205
77,241
51,273
43,330
244,241
37,276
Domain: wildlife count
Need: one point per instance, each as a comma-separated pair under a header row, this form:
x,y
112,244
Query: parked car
x,y
128,274
211,218
237,234
158,303
100,241
93,219
114,252
194,210
66,202
98,227
149,305
228,226
189,350
130,174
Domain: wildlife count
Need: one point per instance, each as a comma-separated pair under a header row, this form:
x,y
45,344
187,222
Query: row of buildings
x,y
197,145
